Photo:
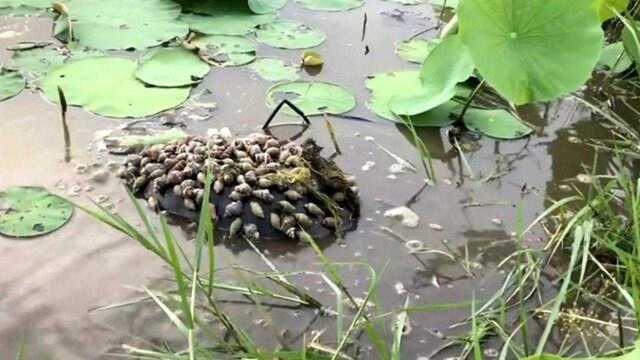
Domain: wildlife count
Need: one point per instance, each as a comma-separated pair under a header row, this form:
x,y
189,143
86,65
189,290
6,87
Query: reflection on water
x,y
49,284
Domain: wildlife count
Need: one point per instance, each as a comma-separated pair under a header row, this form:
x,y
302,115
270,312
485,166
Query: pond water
x,y
49,285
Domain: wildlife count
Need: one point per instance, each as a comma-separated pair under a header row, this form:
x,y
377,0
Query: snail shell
x,y
235,226
265,183
256,209
264,195
314,209
234,208
330,222
244,189
303,220
235,196
218,186
292,195
251,177
251,232
140,182
133,159
287,207
275,221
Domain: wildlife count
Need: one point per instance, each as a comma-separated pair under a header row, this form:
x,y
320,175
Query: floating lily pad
x,y
224,50
288,34
499,124
614,58
23,7
385,86
274,69
330,5
448,64
32,211
171,67
11,83
541,51
416,50
37,62
108,86
313,97
224,18
121,24
265,6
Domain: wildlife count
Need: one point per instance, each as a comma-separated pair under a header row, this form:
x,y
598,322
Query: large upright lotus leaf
x,y
32,211
604,8
288,34
384,86
108,86
23,7
313,97
416,50
171,67
531,50
614,58
330,5
224,18
265,6
275,69
224,50
499,124
122,24
448,64
11,83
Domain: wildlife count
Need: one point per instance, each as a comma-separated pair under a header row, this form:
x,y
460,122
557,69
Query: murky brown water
x,y
49,284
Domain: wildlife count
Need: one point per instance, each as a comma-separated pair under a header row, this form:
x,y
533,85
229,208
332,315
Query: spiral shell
x,y
235,227
234,208
314,209
256,209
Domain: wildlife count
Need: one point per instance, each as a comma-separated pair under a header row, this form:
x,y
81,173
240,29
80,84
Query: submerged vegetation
x,y
575,296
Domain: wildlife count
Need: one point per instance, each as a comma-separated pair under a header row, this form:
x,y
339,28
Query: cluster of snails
x,y
260,184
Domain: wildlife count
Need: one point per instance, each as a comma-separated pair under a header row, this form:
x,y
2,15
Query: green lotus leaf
x,y
448,64
225,50
36,62
614,58
312,97
330,5
265,6
604,8
32,211
416,50
288,34
23,7
11,83
171,67
384,86
274,69
108,86
499,124
531,50
121,24
223,18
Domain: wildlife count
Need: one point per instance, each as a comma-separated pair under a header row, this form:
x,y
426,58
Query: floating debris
x,y
436,227
407,216
262,187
